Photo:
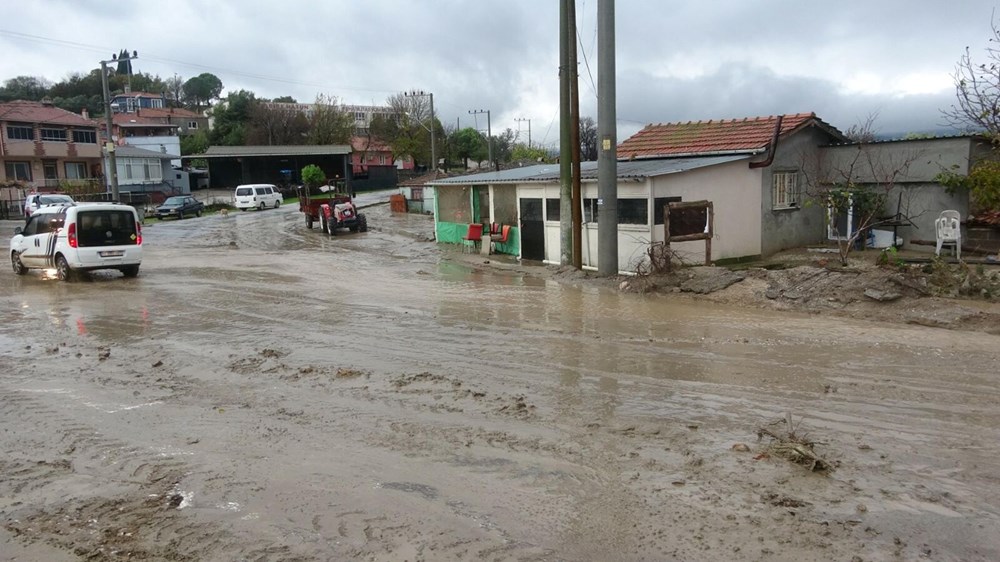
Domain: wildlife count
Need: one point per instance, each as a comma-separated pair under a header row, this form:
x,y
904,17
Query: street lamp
x,y
421,93
489,132
112,162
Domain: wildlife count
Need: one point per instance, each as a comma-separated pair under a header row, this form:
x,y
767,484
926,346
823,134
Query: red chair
x,y
499,238
474,235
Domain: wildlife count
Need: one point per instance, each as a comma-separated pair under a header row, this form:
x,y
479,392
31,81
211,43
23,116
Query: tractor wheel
x,y
15,262
363,223
309,221
324,224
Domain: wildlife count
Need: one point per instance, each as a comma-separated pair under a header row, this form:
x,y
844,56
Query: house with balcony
x,y
45,148
148,133
130,102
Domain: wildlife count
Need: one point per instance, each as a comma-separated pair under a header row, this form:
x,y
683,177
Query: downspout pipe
x,y
771,148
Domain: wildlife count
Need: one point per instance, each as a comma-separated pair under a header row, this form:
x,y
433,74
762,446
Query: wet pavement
x,y
264,391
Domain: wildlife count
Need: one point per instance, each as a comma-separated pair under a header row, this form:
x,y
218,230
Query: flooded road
x,y
266,392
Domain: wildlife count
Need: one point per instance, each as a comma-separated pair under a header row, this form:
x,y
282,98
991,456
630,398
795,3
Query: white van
x,y
257,196
79,237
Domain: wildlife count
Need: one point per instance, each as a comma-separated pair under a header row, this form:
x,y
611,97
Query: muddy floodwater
x,y
266,392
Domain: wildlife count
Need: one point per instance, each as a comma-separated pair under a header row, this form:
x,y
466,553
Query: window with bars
x,y
54,135
785,190
85,136
20,132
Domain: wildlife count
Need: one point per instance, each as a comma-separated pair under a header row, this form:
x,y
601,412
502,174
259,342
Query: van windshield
x,y
106,228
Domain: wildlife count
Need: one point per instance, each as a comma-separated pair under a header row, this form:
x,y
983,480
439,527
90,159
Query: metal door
x,y
532,230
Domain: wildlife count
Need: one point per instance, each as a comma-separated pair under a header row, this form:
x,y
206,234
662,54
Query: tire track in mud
x,y
102,498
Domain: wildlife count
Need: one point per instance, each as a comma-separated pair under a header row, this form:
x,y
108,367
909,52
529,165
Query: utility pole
x,y
489,132
421,93
108,122
519,120
574,136
565,152
607,151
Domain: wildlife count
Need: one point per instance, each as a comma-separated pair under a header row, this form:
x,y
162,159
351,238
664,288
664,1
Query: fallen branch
x,y
792,447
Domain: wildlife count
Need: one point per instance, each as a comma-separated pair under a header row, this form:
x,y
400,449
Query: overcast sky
x,y
677,60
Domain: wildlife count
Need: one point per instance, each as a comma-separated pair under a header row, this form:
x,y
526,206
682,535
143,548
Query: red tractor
x,y
331,210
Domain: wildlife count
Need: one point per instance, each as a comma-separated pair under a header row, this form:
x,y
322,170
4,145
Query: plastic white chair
x,y
949,231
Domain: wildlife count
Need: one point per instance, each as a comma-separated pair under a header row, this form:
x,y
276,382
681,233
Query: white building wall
x,y
733,188
170,144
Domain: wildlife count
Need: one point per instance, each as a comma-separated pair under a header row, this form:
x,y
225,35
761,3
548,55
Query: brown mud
x,y
265,392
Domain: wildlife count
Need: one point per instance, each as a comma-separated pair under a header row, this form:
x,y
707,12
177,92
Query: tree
x,y
982,183
194,144
329,123
588,139
857,180
503,145
313,176
284,99
977,89
522,151
202,89
279,124
232,118
469,143
31,88
174,91
124,63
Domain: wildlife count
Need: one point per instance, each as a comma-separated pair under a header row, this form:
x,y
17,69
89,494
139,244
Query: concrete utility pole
x,y
421,93
108,122
574,140
519,120
489,131
565,153
607,159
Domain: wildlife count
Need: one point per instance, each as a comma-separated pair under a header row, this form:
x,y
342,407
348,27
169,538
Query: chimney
x,y
47,101
84,113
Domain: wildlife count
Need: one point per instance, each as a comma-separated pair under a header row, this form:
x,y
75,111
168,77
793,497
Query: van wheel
x,y
15,262
130,270
277,204
261,206
63,271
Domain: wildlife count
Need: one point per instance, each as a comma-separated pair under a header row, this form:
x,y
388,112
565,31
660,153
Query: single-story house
x,y
147,171
755,171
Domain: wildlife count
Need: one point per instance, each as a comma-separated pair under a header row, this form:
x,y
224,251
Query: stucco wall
x,y
733,188
806,224
922,159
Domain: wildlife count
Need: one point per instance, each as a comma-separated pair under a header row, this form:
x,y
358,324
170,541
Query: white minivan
x,y
257,196
79,237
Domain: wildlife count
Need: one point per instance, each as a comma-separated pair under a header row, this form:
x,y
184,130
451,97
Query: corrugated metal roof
x,y
547,173
286,150
127,151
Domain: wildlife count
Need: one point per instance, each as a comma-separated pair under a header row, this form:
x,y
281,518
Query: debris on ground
x,y
793,447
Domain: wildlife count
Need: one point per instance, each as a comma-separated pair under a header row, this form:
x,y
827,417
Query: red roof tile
x,y
367,144
38,112
750,134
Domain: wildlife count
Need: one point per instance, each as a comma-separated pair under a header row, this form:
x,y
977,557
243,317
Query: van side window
x,y
30,227
259,190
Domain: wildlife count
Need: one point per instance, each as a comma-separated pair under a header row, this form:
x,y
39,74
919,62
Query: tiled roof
x,y
38,112
732,136
363,144
985,218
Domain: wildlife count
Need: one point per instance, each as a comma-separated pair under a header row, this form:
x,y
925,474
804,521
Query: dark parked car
x,y
179,206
